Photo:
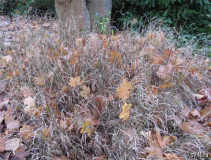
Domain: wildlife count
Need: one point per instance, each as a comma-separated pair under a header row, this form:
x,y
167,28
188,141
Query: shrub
x,y
193,15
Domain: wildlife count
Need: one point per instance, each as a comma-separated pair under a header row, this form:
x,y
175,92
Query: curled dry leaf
x,y
74,82
194,114
201,99
125,112
124,90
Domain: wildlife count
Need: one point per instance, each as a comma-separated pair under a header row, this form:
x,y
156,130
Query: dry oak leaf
x,y
26,132
124,90
156,145
74,82
21,152
87,128
125,112
13,144
86,92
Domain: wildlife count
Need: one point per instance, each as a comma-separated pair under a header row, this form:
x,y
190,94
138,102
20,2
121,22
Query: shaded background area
x,y
192,15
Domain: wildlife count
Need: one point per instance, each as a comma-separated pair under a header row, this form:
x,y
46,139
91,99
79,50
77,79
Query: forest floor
x,y
97,97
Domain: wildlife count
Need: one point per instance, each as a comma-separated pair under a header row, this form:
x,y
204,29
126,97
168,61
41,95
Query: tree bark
x,y
97,10
73,13
83,15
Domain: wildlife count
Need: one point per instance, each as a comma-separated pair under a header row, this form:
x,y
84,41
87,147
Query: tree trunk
x,y
100,14
73,13
83,15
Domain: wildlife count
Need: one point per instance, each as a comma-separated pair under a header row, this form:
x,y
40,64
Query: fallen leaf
x,y
29,101
165,72
2,144
2,116
114,56
125,112
192,127
26,132
168,156
40,81
86,92
13,144
46,134
87,128
14,125
2,104
74,82
194,114
26,91
100,158
166,85
21,152
8,59
124,90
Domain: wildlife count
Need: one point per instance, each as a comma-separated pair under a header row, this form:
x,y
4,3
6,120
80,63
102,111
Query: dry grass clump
x,y
66,92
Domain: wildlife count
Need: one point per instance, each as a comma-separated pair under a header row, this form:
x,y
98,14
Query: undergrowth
x,y
63,93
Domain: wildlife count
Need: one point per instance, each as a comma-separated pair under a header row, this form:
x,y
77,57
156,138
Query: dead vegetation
x,y
125,96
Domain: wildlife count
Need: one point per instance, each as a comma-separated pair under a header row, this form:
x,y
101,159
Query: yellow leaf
x,y
166,85
86,92
124,90
125,112
74,82
87,128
